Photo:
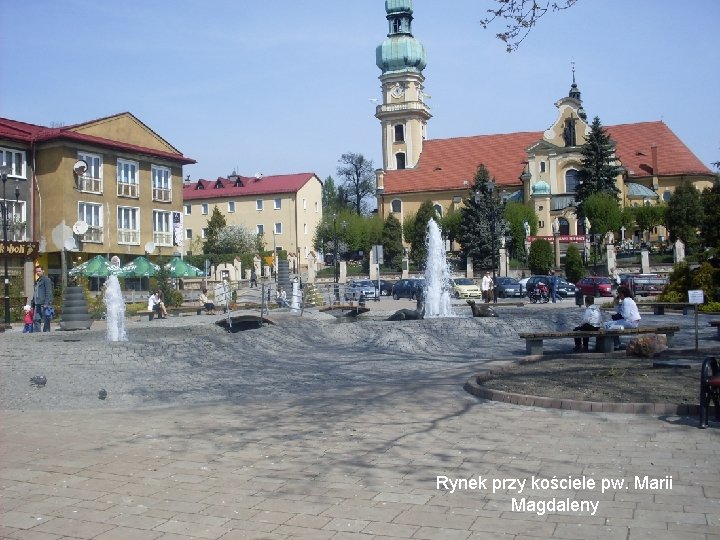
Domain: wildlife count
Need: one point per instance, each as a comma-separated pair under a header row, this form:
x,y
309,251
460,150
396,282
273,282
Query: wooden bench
x,y
148,312
660,307
603,338
177,311
716,324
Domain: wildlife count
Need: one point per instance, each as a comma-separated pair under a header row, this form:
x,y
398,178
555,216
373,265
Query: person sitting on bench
x,y
156,304
592,319
627,315
205,301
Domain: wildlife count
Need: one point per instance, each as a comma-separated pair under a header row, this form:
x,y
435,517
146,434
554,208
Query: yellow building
x,y
285,209
110,186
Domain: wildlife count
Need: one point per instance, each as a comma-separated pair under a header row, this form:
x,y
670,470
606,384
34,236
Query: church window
x,y
399,133
667,195
438,210
541,224
542,166
400,159
396,206
571,181
397,25
564,226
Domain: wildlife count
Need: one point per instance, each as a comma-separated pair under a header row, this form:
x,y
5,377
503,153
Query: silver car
x,y
360,287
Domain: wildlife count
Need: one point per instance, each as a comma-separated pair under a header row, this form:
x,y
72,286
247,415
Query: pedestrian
x,y
486,287
28,319
592,320
42,301
253,277
627,315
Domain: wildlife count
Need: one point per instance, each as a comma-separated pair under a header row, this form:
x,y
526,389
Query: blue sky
x,y
285,86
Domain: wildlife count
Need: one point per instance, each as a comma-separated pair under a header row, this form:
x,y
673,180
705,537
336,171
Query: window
x,y
438,210
16,220
92,179
399,133
317,207
278,228
259,204
400,159
304,203
15,159
127,178
542,166
260,229
188,234
571,181
304,228
203,233
188,209
278,204
128,225
162,229
161,183
541,224
396,206
667,195
204,209
231,207
564,226
92,215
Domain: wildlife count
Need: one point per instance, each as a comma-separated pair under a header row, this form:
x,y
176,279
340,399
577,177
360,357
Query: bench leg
x,y
533,346
659,310
151,316
669,339
604,344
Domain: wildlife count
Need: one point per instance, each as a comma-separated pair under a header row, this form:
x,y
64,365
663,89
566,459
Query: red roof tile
x,y
446,163
286,183
27,133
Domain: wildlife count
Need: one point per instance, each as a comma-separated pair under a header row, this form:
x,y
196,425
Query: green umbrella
x,y
139,267
179,268
98,266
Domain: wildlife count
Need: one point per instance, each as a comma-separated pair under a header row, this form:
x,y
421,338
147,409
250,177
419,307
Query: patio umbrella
x,y
179,268
98,266
139,267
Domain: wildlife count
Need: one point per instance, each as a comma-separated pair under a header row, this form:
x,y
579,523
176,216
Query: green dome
x,y
541,188
401,53
396,6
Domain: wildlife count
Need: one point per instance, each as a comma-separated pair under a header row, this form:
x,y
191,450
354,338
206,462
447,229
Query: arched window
x,y
399,133
438,210
571,181
667,195
396,206
564,226
400,160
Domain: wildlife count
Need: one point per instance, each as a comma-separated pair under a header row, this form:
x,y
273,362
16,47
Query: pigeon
x,y
102,394
38,381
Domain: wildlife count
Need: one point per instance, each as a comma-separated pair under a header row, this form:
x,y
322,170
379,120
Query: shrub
x,y
541,257
574,269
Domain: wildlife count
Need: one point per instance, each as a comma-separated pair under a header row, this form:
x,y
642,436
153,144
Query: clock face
x,y
397,91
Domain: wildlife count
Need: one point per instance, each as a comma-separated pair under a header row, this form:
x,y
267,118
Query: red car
x,y
595,286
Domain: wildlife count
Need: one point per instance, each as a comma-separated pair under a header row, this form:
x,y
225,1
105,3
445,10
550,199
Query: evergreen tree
x,y
215,224
574,268
418,235
329,196
392,242
516,214
541,258
709,228
684,215
599,167
475,232
358,175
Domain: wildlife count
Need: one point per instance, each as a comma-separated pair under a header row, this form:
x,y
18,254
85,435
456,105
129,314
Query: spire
x,y
574,90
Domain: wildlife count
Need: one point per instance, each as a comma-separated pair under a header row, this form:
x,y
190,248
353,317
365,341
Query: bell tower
x,y
403,114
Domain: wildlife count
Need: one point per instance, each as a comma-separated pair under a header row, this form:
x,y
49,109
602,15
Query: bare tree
x,y
358,175
520,16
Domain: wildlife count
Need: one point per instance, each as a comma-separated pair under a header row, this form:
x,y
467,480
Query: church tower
x,y
403,114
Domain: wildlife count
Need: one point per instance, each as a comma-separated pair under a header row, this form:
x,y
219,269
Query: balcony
x,y
93,235
162,238
400,107
162,195
92,185
127,236
127,190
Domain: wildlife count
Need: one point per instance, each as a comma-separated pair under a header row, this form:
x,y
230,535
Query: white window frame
x,y
277,229
128,178
304,203
92,180
188,234
161,183
188,209
277,204
305,228
128,225
317,207
204,208
162,228
16,220
203,233
92,214
259,228
259,205
231,207
15,160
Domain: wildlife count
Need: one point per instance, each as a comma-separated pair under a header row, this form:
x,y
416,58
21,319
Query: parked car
x,y
645,284
564,289
386,287
408,288
360,287
465,288
508,287
595,286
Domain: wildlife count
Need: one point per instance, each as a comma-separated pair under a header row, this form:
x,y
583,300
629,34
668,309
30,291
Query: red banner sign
x,y
565,238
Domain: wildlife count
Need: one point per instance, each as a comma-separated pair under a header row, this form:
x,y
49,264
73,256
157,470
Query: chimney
x,y
655,180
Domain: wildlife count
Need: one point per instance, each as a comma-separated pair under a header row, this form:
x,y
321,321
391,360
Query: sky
x,y
282,87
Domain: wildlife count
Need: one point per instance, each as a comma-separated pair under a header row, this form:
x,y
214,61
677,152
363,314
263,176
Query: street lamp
x,y
274,255
4,176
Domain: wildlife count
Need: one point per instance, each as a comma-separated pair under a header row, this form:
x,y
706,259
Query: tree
x,y
541,258
685,214
599,167
603,211
711,210
392,242
235,239
516,214
475,233
215,224
418,234
649,216
358,175
450,225
329,195
520,16
574,268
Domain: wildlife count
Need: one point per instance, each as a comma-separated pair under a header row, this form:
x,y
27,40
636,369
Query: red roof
x,y
248,185
446,163
29,133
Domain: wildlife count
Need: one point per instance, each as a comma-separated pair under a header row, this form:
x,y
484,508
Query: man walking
x,y
42,300
486,287
554,296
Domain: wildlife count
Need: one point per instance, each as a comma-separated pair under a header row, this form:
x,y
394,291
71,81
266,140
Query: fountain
x,y
437,276
115,314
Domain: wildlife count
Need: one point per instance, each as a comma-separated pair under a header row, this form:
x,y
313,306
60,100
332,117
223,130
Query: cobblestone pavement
x,y
312,428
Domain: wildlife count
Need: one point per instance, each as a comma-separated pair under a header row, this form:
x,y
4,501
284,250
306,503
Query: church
x,y
539,168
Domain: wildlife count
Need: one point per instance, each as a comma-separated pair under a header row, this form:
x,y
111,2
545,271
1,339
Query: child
x,y
592,319
28,320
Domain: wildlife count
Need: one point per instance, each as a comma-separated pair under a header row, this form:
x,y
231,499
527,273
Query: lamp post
x,y
4,176
274,255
